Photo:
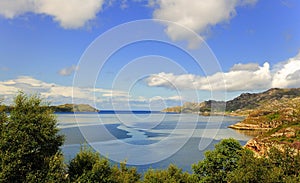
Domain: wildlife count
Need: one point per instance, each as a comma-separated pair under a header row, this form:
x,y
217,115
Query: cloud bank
x,y
70,14
103,98
241,77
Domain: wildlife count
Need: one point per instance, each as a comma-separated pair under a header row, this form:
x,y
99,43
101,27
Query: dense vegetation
x,y
29,152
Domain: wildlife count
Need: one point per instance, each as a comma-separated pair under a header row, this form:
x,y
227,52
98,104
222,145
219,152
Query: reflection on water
x,y
251,133
145,129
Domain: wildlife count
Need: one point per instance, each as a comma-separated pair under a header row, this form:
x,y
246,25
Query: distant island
x,y
61,108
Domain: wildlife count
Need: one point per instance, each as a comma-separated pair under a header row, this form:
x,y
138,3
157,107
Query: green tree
x,y
125,174
218,162
88,166
172,174
29,141
254,169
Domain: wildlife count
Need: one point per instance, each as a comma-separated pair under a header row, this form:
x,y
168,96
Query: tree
x,y
125,174
254,169
88,166
172,174
218,162
29,141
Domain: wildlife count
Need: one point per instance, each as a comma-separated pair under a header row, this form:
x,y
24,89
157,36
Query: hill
x,y
61,108
74,108
280,122
241,105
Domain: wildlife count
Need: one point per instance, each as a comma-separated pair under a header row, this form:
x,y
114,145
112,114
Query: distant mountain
x,y
240,104
254,100
61,108
74,108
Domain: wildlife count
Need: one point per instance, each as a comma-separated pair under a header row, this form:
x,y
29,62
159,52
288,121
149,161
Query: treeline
x,y
29,152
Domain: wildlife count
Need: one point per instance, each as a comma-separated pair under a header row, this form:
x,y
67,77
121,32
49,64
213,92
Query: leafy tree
x,y
172,174
218,162
279,166
88,166
254,169
29,142
125,174
288,160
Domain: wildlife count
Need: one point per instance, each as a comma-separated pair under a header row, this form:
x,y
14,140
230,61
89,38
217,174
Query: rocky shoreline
x,y
252,127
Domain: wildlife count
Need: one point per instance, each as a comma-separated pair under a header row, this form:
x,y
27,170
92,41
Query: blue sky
x,y
255,42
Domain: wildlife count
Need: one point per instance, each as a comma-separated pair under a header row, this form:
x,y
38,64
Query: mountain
x,y
251,101
240,105
203,108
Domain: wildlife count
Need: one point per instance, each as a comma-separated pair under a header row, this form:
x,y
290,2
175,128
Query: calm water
x,y
106,131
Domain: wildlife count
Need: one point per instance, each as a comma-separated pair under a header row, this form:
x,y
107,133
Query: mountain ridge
x,y
239,105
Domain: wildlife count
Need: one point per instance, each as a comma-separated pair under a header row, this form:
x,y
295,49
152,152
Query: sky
x,y
147,54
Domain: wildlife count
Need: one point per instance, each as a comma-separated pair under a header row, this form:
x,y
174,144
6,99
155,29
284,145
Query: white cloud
x,y
59,94
67,71
287,74
68,13
197,15
247,67
236,80
241,77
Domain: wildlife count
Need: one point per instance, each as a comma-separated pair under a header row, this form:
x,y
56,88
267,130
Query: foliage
x,y
217,163
29,141
252,169
88,166
172,174
125,174
279,166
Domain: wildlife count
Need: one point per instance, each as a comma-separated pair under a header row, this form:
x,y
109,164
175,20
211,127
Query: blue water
x,y
138,136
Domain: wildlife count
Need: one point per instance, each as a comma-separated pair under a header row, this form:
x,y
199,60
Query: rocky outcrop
x,y
278,138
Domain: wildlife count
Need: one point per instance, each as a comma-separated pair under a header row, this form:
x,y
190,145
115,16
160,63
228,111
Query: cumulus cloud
x,y
236,80
287,73
196,15
247,67
68,13
67,71
241,77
